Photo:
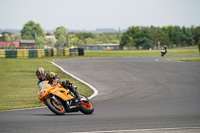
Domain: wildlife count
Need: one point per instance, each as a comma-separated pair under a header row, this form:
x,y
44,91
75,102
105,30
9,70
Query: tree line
x,y
33,31
135,37
150,37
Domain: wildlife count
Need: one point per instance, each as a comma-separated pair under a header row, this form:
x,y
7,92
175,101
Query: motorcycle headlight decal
x,y
45,89
40,95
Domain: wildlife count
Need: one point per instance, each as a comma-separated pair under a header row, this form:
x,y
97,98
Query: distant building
x,y
7,44
50,37
100,47
29,44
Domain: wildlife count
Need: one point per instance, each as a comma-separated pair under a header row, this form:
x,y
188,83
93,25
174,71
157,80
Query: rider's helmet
x,y
40,73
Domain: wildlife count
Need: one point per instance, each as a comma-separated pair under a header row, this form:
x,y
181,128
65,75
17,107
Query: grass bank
x,y
18,86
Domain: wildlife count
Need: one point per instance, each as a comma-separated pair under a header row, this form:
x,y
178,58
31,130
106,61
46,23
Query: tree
x,y
84,35
7,37
38,30
81,42
132,32
90,41
169,31
188,36
88,38
40,41
199,45
130,43
17,37
33,30
49,42
61,41
27,30
12,37
144,39
124,40
197,34
136,36
61,36
73,40
60,31
158,35
177,36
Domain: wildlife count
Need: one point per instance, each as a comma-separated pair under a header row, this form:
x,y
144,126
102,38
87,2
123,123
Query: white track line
x,y
23,109
94,89
142,130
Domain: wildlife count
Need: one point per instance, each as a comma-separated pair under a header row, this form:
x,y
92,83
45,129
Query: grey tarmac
x,y
135,94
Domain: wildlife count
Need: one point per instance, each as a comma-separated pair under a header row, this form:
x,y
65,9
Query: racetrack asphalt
x,y
134,93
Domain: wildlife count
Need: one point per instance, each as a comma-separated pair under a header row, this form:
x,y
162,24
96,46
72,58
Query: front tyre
x,y
87,107
55,106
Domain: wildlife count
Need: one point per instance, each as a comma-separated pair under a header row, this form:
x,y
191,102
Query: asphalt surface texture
x,y
136,94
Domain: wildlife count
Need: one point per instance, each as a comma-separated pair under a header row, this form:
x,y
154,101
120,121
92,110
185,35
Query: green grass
x,y
18,86
122,53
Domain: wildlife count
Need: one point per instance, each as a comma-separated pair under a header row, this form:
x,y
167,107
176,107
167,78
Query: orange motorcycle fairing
x,y
62,93
59,100
57,90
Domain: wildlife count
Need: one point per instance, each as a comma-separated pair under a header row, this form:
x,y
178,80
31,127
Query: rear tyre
x,y
86,107
55,105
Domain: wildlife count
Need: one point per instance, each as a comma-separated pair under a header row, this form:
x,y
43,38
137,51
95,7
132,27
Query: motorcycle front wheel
x,y
87,107
55,105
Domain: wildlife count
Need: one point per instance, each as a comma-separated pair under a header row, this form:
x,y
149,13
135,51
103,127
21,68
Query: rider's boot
x,y
77,95
72,89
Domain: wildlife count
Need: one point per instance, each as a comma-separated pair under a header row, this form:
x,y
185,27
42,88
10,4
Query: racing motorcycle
x,y
60,100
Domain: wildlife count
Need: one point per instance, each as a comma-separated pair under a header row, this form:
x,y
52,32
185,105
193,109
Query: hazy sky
x,y
92,14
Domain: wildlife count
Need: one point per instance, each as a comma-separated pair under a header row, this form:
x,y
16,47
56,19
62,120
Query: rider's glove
x,y
56,81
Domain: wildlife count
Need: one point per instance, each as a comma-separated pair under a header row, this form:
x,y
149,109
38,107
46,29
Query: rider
x,y
164,50
54,79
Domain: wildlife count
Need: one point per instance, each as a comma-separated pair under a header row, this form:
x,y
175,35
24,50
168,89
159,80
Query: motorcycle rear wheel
x,y
55,106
